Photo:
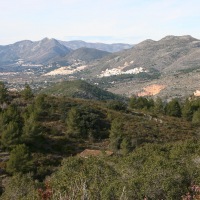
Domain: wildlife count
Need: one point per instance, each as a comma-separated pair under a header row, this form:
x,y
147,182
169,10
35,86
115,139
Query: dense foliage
x,y
189,110
154,171
155,143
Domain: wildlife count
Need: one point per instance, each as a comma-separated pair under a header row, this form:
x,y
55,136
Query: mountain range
x,y
168,54
52,50
76,44
168,68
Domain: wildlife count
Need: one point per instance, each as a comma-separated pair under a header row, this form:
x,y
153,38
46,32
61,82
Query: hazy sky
x,y
128,21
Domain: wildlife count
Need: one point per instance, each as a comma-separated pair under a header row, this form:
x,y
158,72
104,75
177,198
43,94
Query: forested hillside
x,y
80,89
154,147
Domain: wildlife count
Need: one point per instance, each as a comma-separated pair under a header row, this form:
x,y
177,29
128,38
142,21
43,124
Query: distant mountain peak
x,y
184,37
22,42
46,39
146,42
49,40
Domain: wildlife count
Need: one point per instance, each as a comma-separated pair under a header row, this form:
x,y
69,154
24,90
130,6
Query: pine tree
x,y
141,103
158,106
11,135
31,128
3,93
173,108
133,102
20,160
196,117
27,92
20,186
125,146
73,123
12,113
41,106
187,111
116,133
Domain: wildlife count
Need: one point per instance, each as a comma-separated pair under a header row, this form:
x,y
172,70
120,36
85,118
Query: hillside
x,y
166,68
170,53
84,54
39,52
51,50
175,58
42,137
79,89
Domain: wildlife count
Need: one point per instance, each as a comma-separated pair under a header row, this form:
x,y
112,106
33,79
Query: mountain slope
x,y
79,89
85,54
36,52
76,44
168,54
173,62
167,68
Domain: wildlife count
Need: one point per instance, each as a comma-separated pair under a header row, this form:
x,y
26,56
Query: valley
x,y
172,63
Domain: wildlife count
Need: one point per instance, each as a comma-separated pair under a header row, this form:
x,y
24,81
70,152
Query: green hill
x,y
80,89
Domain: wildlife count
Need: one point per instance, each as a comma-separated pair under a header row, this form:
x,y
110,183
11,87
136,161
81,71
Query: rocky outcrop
x,y
151,90
197,93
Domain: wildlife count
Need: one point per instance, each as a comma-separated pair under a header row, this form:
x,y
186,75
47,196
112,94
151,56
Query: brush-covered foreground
x,y
155,145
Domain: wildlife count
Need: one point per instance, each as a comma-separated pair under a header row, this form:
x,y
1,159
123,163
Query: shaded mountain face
x,y
85,54
36,52
76,44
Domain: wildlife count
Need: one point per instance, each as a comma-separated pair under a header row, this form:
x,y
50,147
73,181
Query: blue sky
x,y
110,21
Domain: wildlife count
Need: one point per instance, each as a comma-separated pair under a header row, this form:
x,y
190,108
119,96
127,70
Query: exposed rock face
x,y
91,152
180,85
151,90
67,70
197,93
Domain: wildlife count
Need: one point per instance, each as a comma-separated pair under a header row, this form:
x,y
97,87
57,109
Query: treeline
x,y
188,109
